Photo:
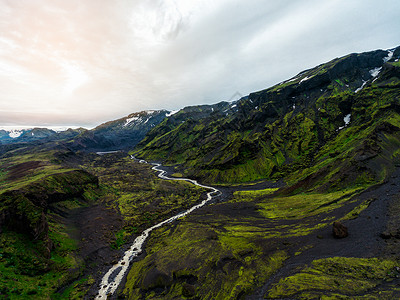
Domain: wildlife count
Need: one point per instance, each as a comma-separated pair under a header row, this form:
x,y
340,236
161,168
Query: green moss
x,y
354,213
292,144
77,290
144,199
340,275
302,205
339,82
120,239
25,269
241,196
396,63
177,175
217,264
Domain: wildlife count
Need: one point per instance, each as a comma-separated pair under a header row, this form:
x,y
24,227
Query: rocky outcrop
x,y
156,278
339,231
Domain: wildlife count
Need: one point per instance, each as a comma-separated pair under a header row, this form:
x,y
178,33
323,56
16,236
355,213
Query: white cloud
x,y
107,59
75,76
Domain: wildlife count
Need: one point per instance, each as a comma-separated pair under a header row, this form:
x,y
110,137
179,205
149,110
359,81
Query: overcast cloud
x,y
85,62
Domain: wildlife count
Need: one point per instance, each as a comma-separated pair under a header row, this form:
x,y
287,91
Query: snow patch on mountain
x,y
375,72
291,80
361,87
346,119
15,133
389,57
140,118
171,113
130,120
304,79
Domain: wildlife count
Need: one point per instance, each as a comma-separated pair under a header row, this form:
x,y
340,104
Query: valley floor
x,y
243,247
253,242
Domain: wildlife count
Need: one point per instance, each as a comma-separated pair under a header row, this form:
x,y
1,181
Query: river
x,y
112,279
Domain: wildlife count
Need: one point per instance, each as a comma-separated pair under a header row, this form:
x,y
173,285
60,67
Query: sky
x,y
84,62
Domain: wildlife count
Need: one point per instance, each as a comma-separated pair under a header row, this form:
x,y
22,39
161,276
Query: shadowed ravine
x,y
112,279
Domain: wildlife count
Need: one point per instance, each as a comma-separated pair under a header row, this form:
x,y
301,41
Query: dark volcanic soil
x,y
20,170
95,227
371,234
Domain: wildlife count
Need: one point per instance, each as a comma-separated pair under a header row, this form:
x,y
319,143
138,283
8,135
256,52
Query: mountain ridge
x,y
318,149
318,98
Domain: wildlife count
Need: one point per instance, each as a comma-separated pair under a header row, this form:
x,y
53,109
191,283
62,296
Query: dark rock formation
x,y
385,235
188,290
156,278
339,231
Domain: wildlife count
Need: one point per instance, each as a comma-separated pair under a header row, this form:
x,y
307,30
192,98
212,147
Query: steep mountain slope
x,y
320,113
333,134
183,121
119,134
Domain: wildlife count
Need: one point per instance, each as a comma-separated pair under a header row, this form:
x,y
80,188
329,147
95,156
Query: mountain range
x,y
318,149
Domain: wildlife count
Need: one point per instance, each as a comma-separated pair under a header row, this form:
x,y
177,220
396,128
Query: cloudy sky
x,y
83,62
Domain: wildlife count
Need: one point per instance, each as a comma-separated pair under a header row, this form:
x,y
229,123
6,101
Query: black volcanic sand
x,y
95,225
94,228
366,233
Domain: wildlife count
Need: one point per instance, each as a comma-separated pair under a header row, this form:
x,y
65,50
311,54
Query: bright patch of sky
x,y
85,62
74,77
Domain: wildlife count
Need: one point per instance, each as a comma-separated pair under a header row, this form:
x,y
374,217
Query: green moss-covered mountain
x,y
319,118
332,134
291,160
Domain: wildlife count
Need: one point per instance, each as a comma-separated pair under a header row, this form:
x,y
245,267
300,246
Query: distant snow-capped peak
x,y
14,133
139,118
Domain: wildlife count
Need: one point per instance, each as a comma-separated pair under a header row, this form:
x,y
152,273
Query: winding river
x,y
112,279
